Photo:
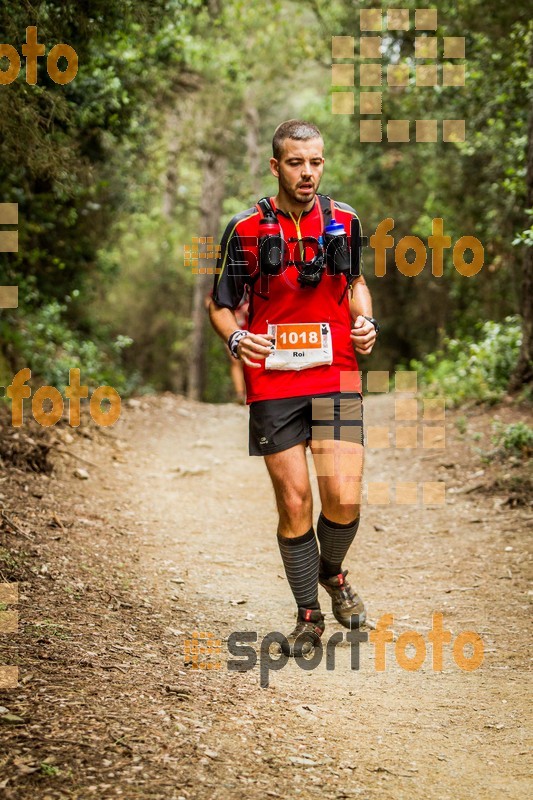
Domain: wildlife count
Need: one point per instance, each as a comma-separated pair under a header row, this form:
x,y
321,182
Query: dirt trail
x,y
175,532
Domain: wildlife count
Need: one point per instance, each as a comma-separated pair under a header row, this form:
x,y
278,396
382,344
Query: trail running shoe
x,y
306,635
345,602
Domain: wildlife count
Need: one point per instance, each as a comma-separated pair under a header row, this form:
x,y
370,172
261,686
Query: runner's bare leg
x,y
290,479
296,536
339,466
340,487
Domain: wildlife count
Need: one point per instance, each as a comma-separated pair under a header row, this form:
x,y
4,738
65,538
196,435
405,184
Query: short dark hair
x,y
293,129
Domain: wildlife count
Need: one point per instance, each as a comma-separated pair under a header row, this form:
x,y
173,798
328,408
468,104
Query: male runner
x,y
291,408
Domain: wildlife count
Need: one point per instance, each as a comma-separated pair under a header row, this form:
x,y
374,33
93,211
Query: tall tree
x,y
523,373
213,189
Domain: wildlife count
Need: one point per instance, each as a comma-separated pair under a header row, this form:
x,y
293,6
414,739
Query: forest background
x,y
165,133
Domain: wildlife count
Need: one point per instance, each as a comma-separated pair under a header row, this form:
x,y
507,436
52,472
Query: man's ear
x,y
274,168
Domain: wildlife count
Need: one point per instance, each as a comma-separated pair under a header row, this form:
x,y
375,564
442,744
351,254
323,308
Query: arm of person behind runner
x,y
363,333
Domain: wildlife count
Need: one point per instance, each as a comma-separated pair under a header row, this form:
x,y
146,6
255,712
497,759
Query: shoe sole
x,y
347,623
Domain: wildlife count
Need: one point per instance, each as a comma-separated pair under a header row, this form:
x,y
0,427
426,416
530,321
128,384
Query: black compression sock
x,y
335,540
300,559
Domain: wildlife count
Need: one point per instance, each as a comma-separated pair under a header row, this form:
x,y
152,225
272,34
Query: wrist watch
x,y
374,322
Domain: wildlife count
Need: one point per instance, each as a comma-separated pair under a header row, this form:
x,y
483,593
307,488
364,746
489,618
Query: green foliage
x,y
514,439
219,388
162,85
476,187
44,342
473,368
62,159
49,770
461,425
147,297
525,237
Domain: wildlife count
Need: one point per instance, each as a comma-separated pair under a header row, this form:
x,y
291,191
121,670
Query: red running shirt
x,y
277,299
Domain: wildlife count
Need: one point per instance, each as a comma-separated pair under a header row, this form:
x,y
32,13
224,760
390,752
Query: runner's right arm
x,y
228,291
251,346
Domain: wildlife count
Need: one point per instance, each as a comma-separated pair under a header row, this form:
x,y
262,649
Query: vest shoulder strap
x,y
264,207
327,206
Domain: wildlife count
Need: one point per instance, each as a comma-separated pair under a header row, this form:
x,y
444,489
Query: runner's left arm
x,y
363,333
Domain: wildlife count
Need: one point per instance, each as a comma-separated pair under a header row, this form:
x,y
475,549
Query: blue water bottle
x,y
337,252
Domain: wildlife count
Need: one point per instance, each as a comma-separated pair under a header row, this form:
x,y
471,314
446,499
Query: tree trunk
x,y
252,145
210,213
171,175
523,373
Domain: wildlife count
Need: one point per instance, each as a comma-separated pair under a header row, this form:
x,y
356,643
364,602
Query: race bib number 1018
x,y
300,346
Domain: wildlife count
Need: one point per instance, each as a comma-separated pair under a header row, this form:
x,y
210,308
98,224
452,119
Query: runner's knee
x,y
342,513
295,502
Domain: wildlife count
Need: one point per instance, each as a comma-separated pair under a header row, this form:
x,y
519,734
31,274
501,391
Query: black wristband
x,y
234,340
374,322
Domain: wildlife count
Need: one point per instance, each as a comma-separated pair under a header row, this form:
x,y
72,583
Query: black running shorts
x,y
276,425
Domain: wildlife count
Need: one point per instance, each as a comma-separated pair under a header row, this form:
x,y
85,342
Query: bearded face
x,y
299,171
